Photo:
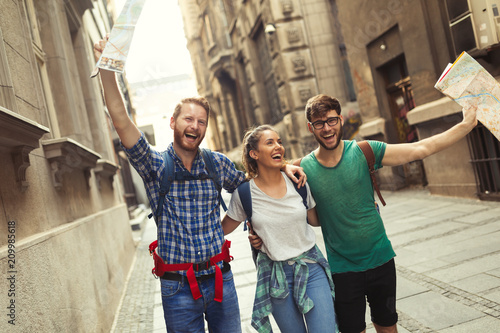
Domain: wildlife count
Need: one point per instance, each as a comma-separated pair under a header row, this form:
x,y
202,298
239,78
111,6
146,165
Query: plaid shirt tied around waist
x,y
271,282
189,230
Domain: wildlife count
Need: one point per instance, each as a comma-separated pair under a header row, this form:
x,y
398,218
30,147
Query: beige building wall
x,y
65,240
415,35
258,62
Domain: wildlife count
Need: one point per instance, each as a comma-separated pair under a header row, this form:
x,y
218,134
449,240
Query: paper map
x,y
115,52
469,84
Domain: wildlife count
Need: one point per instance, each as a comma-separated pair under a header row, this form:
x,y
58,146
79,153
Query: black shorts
x,y
378,285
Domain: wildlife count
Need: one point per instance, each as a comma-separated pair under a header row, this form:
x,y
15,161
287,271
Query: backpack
x,y
370,160
169,176
246,202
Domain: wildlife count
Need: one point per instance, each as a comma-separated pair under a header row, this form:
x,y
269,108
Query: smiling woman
x,y
288,257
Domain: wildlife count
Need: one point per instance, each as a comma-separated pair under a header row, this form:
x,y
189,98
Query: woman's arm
x,y
312,217
253,238
228,225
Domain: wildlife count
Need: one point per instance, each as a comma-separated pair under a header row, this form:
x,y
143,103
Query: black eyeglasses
x,y
332,121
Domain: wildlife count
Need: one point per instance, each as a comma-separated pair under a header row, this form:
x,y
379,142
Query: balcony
x,y
19,136
66,155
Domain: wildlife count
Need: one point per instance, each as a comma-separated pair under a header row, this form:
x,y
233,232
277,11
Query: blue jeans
x,y
320,319
184,314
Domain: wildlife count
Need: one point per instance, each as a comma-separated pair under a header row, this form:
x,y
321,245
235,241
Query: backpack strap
x,y
370,160
303,193
246,201
209,160
169,176
166,181
303,190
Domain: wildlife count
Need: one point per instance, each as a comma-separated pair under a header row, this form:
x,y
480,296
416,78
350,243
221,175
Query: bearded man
x,y
196,280
359,252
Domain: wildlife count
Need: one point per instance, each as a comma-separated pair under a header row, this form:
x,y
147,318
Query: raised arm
x,y
397,154
127,131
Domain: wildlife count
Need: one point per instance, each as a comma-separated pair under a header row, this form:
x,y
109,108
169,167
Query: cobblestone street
x,y
448,266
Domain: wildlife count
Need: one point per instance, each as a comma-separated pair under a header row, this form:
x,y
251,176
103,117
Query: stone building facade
x,y
258,61
65,240
397,51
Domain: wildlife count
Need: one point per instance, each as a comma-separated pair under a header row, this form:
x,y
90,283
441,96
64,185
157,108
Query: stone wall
x,y
65,239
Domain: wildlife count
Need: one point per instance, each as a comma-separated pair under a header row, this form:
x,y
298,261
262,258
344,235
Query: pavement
x,y
448,268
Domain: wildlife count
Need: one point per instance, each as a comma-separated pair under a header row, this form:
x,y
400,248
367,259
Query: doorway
x,y
400,99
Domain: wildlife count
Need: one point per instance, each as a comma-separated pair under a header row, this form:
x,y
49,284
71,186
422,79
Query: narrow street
x,y
448,265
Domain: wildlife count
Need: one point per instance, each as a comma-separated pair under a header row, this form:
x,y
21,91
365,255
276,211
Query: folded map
x,y
115,52
469,84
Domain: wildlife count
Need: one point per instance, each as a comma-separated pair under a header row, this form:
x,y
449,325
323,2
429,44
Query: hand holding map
x,y
115,53
469,84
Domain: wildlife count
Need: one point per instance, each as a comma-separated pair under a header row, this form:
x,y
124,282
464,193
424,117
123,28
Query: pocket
x,y
169,287
228,276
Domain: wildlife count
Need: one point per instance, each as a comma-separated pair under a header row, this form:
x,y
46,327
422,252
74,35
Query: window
x,y
42,68
267,72
485,152
208,31
229,10
7,96
227,17
457,8
474,24
461,25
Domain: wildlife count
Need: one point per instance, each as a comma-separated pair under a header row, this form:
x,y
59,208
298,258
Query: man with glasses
x,y
359,251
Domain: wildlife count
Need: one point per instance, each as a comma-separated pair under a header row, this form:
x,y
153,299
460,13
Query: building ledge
x,y
105,168
434,110
221,62
373,127
16,130
19,136
66,155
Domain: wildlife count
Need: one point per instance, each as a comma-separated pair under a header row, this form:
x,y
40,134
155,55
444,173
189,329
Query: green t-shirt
x,y
353,231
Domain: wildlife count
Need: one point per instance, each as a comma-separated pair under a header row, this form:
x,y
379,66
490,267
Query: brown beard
x,y
178,138
340,133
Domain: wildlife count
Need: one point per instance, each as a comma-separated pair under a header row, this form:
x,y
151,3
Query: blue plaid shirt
x,y
189,230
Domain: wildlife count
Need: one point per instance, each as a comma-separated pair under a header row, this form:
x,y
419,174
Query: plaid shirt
x,y
271,282
189,230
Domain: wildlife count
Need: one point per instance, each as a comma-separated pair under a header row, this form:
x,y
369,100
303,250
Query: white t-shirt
x,y
280,223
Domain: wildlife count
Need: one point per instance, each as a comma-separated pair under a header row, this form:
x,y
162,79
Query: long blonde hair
x,y
251,142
